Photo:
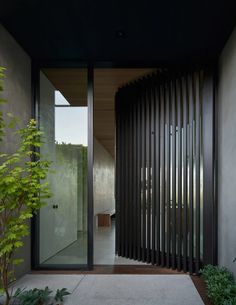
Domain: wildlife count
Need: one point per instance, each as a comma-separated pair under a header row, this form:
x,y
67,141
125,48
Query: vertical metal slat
x,y
143,176
148,174
173,222
135,176
153,176
180,111
118,174
185,174
198,144
157,170
139,165
167,140
162,192
130,177
191,113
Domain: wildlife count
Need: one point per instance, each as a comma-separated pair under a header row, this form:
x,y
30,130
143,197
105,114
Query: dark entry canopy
x,y
120,31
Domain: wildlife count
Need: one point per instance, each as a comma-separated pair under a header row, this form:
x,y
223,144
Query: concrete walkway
x,y
119,289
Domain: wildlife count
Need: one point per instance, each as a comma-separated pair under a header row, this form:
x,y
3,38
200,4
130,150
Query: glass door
x,y
63,117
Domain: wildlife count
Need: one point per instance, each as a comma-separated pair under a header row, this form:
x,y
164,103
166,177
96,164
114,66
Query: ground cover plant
x,y
220,284
39,296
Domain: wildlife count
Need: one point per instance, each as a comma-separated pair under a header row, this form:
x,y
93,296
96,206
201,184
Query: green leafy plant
x,y
32,297
60,294
22,191
39,296
220,283
230,302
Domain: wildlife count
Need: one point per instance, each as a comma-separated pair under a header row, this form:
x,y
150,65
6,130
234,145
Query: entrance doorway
x,y
118,195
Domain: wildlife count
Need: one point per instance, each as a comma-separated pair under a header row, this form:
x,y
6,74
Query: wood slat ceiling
x,y
72,83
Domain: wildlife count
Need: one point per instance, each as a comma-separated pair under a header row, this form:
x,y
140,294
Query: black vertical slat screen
x,y
159,170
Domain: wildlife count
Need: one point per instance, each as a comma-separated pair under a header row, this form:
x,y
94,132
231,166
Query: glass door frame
x,y
35,107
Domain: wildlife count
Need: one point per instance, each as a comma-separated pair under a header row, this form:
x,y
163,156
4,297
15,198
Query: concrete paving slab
x,y
135,290
54,282
118,289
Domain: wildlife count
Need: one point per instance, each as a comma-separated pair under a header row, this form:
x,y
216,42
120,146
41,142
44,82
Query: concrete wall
x,y
227,155
104,179
18,93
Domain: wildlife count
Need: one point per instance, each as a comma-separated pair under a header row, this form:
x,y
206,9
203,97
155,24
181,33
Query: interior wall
x,y
227,155
104,179
17,91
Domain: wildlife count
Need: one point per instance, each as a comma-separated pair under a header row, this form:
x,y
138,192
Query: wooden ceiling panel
x,y
104,104
72,83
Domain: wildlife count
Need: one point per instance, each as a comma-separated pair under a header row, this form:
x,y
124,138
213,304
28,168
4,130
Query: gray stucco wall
x,y
227,155
104,179
17,90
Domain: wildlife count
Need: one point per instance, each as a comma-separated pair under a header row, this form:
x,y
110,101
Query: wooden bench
x,y
104,218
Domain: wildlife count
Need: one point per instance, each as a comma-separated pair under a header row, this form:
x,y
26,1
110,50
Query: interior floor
x,y
104,250
75,253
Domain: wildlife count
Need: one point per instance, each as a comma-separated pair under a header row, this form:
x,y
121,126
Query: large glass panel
x,y
63,118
